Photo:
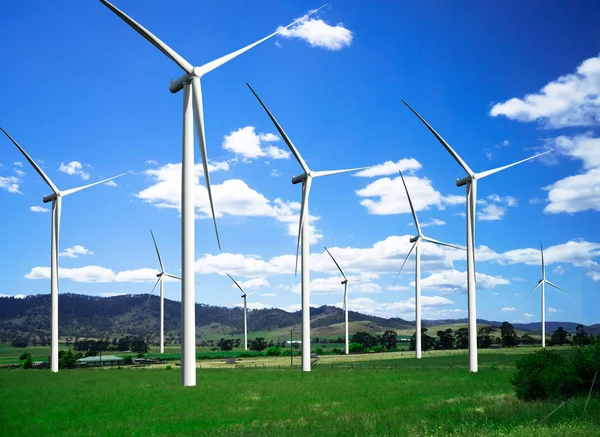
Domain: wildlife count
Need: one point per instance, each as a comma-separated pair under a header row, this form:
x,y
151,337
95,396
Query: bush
x,y
337,351
273,351
140,355
25,356
586,362
246,355
542,375
356,348
378,349
393,349
318,351
28,364
168,367
128,359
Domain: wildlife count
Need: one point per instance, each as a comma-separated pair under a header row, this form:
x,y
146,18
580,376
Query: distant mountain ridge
x,y
95,317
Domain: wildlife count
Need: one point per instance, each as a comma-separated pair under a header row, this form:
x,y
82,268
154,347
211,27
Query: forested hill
x,y
92,316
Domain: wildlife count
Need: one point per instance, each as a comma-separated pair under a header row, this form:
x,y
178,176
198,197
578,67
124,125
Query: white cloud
x,y
247,144
18,164
151,162
580,253
494,206
253,283
528,316
111,183
16,296
455,281
553,310
74,168
570,100
75,251
10,184
518,279
319,34
19,173
595,276
432,307
268,294
38,209
332,285
508,309
275,173
491,212
559,270
390,168
111,294
433,222
96,274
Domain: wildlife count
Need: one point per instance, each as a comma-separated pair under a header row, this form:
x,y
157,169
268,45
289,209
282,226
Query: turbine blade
x,y
305,192
74,190
162,267
149,36
412,209
235,282
555,286
338,266
536,287
318,174
199,122
441,243
210,66
405,259
450,150
173,276
282,133
484,174
152,292
33,163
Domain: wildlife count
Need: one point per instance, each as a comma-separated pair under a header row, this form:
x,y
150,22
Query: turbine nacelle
x,y
464,181
416,238
50,198
301,178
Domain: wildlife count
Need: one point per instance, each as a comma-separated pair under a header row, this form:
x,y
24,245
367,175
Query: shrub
x,y
128,359
168,367
393,349
337,351
586,362
140,355
378,349
25,356
318,351
246,355
356,348
273,351
544,374
28,364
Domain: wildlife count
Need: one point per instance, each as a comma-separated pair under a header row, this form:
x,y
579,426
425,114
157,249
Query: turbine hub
x,y
413,239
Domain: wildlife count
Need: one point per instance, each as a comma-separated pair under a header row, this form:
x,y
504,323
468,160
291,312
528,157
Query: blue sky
x,y
88,98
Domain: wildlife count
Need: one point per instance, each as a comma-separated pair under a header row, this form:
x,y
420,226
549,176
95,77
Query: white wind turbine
x,y
244,296
543,282
306,180
56,199
193,113
471,200
345,284
416,242
161,279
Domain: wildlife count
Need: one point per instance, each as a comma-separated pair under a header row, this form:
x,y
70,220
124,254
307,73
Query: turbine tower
x,y
543,282
303,237
161,279
244,296
416,241
193,113
471,183
345,284
56,199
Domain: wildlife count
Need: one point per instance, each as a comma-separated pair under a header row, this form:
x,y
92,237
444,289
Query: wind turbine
x,y
56,199
161,279
471,202
244,296
193,113
543,282
306,180
345,284
416,241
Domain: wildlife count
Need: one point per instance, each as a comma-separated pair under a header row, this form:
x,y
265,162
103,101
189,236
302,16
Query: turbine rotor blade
x,y
412,209
305,192
74,190
282,133
162,267
555,286
405,259
149,36
172,276
210,66
450,150
152,292
33,164
318,174
338,266
484,174
199,122
536,287
235,282
441,243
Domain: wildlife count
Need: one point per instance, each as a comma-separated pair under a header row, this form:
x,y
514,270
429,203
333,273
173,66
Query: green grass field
x,y
361,395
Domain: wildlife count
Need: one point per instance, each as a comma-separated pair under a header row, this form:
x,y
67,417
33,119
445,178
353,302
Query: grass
x,y
378,395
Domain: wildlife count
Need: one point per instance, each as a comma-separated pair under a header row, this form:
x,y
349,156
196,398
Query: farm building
x,y
104,360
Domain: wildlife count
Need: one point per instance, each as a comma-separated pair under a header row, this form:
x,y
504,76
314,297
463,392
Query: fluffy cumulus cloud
x,y
38,209
74,168
493,207
75,251
528,316
10,184
452,281
580,253
16,296
390,168
247,144
317,33
96,274
431,307
333,285
570,100
595,276
253,283
508,309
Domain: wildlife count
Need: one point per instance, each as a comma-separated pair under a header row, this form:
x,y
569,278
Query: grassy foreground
x,y
378,399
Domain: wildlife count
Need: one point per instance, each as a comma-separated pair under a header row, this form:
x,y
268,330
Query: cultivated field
x,y
361,395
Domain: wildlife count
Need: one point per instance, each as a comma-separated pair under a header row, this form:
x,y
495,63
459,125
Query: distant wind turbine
x,y
416,242
306,180
244,296
543,282
56,199
161,279
193,113
345,284
471,183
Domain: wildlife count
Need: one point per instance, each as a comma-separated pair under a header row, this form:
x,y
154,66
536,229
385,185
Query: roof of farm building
x,y
99,358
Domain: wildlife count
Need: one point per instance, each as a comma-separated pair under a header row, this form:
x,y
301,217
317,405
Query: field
x,y
362,395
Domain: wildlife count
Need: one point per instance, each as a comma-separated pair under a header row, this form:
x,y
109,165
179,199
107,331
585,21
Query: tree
x,y
484,339
527,339
446,339
25,356
20,342
364,338
258,344
427,342
462,338
356,348
389,339
580,338
273,351
560,336
508,334
225,344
